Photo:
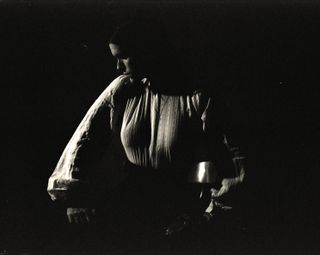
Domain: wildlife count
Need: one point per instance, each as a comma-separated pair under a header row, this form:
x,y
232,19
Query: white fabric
x,y
156,129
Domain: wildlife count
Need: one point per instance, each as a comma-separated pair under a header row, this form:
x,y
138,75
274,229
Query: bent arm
x,y
223,150
71,178
81,153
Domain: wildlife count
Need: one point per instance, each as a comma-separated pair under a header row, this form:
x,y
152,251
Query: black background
x,y
262,58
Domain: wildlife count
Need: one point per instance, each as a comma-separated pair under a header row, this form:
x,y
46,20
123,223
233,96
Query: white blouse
x,y
153,130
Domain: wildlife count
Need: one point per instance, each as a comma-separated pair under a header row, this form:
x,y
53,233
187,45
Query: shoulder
x,y
118,84
120,80
115,89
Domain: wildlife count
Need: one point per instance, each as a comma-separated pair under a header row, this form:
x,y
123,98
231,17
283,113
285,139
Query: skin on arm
x,y
217,131
228,184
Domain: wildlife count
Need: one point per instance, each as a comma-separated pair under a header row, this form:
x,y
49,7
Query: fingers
x,y
86,218
75,219
70,213
70,219
80,215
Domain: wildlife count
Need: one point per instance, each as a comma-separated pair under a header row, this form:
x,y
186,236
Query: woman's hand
x,y
228,184
80,215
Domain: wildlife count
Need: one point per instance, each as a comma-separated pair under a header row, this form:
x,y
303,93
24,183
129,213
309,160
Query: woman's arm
x,y
81,154
222,149
72,180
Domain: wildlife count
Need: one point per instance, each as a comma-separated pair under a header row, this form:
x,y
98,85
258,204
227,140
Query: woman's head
x,y
138,48
125,61
144,49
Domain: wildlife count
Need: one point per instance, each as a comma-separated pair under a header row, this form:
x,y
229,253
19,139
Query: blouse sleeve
x,y
220,141
70,179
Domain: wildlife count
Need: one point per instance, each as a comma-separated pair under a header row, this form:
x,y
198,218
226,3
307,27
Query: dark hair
x,y
148,41
140,37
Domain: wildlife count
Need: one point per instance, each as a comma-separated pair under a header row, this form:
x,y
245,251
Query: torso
x,y
160,130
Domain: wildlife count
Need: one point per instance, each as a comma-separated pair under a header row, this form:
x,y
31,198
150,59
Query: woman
x,y
153,119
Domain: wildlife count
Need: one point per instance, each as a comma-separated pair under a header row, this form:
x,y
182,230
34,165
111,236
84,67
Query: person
x,y
137,142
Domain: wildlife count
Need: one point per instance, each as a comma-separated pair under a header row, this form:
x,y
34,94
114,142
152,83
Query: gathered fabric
x,y
130,121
